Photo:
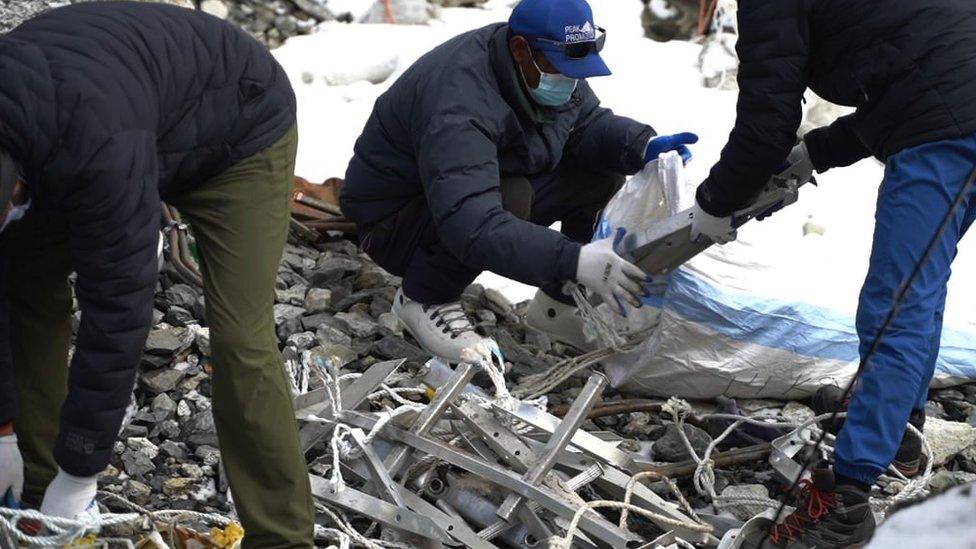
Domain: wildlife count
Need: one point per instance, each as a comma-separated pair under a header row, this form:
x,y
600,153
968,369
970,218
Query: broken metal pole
x,y
596,525
730,458
559,440
397,460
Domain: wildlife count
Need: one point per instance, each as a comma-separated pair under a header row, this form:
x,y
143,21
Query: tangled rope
x,y
59,531
704,476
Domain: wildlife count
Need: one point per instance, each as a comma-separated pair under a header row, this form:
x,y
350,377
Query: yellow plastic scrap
x,y
227,538
86,541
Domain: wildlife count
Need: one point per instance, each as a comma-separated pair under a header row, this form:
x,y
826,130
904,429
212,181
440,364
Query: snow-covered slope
x,y
656,83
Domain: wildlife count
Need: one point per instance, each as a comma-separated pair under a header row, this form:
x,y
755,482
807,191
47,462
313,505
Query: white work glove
x,y
798,165
11,471
610,276
717,229
71,497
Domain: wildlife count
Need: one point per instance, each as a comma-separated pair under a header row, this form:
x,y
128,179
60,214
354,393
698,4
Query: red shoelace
x,y
813,505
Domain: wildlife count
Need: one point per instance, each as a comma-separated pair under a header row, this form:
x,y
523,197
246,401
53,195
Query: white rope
x,y
595,322
488,356
565,542
351,534
704,476
59,531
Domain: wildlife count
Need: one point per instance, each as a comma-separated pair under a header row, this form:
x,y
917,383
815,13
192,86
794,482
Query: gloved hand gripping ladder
x,y
659,247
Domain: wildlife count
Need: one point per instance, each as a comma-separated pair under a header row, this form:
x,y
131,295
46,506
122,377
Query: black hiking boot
x,y
909,460
828,516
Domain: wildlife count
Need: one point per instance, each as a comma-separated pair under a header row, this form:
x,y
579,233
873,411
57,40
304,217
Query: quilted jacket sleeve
x,y
604,141
836,145
113,216
773,49
458,162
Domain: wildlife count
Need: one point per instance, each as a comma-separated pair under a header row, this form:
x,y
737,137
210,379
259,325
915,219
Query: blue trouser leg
x,y
919,186
934,344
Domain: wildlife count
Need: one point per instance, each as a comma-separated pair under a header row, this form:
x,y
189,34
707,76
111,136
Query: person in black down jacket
x,y
106,108
480,146
909,68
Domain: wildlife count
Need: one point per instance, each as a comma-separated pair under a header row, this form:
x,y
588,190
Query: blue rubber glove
x,y
664,143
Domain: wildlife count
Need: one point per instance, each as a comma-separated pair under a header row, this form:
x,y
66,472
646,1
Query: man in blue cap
x,y
481,145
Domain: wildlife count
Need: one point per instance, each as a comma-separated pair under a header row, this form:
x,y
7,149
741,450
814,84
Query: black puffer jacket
x,y
108,107
909,66
455,122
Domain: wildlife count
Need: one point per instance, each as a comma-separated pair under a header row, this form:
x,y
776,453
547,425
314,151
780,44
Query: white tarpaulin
x,y
770,315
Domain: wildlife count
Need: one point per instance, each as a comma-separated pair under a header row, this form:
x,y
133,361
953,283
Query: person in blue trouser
x,y
481,145
908,69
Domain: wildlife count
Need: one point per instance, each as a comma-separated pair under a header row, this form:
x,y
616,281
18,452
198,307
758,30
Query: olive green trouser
x,y
240,222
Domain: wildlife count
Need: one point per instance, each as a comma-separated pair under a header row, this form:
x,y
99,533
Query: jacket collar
x,y
510,81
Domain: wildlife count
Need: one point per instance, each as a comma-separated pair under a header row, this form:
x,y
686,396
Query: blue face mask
x,y
553,90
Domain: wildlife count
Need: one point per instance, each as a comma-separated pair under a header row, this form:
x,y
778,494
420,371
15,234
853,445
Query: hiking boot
x,y
909,460
443,330
828,516
561,322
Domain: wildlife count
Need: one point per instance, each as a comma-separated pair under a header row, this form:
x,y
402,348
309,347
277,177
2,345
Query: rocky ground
x,y
333,301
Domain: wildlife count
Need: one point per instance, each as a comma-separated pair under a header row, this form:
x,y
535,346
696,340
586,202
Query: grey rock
x,y
177,486
163,403
948,438
518,355
178,316
183,410
132,430
157,317
202,341
182,295
191,470
137,492
537,339
215,8
200,429
370,279
363,296
330,270
341,247
155,361
284,312
173,449
934,409
329,335
302,340
292,296
943,480
379,306
169,429
168,341
143,446
137,464
392,347
312,322
671,448
389,321
318,300
360,324
208,455
162,380
949,394
342,353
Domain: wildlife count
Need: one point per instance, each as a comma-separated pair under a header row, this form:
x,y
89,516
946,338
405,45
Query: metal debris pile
x,y
522,445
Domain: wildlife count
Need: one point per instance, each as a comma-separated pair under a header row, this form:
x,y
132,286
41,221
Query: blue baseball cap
x,y
563,30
